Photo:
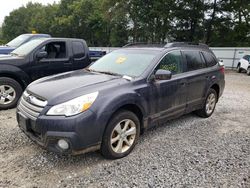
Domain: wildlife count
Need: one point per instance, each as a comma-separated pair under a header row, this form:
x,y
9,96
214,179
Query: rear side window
x,y
209,59
194,60
78,49
172,62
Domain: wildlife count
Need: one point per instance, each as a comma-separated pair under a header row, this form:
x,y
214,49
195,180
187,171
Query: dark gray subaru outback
x,y
109,104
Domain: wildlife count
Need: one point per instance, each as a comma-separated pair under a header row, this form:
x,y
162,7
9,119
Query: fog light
x,y
63,144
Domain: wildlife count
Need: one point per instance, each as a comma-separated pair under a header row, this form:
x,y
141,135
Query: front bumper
x,y
81,132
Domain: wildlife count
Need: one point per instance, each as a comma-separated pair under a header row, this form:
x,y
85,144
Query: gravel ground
x,y
186,152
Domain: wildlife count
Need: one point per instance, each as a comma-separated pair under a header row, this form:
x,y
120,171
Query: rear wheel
x,y
120,135
248,71
209,104
238,68
10,92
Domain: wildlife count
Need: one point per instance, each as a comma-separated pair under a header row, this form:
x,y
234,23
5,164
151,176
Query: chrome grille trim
x,y
29,111
31,106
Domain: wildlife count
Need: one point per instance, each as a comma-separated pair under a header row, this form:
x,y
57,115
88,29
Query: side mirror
x,y
163,75
221,62
41,54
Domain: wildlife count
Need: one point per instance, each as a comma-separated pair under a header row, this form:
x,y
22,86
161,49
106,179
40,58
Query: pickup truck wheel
x,y
209,104
121,135
248,71
238,68
10,92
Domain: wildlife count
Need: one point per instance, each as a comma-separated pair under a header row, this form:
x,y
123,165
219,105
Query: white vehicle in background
x,y
244,64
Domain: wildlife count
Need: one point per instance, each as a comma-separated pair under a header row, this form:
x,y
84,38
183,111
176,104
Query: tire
x,y
238,68
10,92
122,144
248,71
209,104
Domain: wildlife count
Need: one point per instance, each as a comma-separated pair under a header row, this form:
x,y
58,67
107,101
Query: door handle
x,y
183,83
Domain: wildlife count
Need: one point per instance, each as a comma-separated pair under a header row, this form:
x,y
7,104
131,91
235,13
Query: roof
x,y
161,47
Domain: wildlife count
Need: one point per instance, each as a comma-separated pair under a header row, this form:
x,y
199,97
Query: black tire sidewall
x,y
248,71
16,86
238,68
106,149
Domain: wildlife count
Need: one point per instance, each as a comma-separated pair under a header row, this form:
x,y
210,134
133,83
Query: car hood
x,y
10,59
6,49
66,86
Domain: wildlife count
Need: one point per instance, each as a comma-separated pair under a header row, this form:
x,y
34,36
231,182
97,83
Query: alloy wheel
x,y
7,94
210,103
123,136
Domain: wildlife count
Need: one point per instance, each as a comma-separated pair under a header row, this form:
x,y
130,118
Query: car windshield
x,y
124,62
27,47
18,41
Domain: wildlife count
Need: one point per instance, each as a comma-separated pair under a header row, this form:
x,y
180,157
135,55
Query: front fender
x,y
15,73
107,106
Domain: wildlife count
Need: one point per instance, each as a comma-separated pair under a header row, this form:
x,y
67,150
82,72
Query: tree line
x,y
118,22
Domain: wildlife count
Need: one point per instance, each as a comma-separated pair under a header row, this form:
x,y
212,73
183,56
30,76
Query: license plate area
x,y
23,122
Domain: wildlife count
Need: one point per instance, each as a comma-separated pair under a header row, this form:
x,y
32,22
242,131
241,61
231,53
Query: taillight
x,y
222,69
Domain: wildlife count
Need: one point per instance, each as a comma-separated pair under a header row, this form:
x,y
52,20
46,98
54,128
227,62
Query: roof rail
x,y
186,44
143,44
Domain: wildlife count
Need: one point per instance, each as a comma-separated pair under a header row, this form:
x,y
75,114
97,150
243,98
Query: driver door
x,y
172,94
56,61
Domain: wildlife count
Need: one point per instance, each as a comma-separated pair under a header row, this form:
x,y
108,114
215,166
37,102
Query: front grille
x,y
31,106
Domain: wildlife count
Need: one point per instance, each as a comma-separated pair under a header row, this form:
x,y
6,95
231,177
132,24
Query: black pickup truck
x,y
35,59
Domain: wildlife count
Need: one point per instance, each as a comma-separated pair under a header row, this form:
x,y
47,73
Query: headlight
x,y
74,106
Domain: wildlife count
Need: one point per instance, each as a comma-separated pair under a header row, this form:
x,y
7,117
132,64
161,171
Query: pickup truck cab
x,y
35,59
20,40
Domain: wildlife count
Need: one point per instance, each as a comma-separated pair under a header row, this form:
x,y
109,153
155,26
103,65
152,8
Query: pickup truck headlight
x,y
74,106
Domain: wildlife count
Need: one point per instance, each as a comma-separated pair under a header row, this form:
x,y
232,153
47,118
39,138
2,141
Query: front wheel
x,y
238,68
121,135
209,104
10,92
248,71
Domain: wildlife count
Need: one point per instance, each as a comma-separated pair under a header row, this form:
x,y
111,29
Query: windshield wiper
x,y
15,54
105,72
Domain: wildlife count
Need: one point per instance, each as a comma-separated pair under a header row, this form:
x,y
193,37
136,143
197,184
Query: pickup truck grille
x,y
31,106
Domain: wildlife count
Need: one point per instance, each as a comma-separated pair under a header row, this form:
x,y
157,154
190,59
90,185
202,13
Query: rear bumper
x,y
79,131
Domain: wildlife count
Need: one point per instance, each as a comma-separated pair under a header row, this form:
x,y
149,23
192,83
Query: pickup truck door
x,y
59,60
56,61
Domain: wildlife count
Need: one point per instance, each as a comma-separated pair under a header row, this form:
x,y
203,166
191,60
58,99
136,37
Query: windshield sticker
x,y
120,60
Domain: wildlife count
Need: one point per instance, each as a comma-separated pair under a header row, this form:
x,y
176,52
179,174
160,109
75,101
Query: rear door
x,y
197,79
80,55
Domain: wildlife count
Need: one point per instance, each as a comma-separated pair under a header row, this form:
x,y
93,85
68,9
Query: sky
x,y
9,5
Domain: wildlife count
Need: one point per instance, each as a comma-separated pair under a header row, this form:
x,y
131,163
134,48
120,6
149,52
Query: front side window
x,y
209,59
172,62
55,50
124,62
194,61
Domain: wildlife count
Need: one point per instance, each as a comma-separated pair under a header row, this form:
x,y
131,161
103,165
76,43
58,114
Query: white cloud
x,y
9,5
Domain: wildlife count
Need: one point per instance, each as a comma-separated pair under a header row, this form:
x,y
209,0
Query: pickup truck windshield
x,y
124,62
18,41
27,47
